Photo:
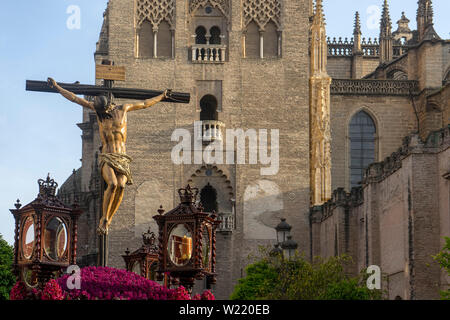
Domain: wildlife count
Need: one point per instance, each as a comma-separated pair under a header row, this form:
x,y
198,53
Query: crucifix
x,y
112,120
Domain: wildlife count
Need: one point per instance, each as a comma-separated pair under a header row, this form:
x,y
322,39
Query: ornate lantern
x,y
289,248
283,230
45,236
144,261
187,241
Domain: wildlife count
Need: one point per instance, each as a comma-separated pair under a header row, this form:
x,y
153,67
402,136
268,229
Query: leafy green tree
x,y
298,279
260,278
7,279
443,258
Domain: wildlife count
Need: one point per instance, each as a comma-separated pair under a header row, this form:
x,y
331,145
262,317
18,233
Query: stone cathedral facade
x,y
367,118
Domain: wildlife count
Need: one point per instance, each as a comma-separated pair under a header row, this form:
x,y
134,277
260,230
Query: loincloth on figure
x,y
120,162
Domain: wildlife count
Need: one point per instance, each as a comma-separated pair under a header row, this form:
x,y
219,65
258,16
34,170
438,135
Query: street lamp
x,y
283,230
289,247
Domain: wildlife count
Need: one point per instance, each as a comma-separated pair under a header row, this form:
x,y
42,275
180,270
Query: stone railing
x,y
340,198
211,131
227,222
436,141
340,48
369,48
208,53
374,87
399,50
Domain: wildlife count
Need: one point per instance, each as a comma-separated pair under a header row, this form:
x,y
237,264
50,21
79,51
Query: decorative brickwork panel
x,y
155,11
262,11
223,5
374,87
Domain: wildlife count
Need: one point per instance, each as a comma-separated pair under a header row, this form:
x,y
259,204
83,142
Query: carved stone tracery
x,y
155,11
223,6
262,12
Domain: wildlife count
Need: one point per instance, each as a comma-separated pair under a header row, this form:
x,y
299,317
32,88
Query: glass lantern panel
x,y
180,245
137,268
206,249
28,238
153,271
30,277
282,236
55,238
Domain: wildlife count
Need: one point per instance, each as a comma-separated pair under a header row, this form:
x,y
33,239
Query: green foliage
x,y
298,279
260,277
443,258
350,289
7,279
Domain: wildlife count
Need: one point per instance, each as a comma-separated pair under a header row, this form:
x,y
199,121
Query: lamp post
x,y
45,239
284,239
283,230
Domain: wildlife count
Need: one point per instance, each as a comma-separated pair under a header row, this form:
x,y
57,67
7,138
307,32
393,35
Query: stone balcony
x,y
211,131
208,53
227,223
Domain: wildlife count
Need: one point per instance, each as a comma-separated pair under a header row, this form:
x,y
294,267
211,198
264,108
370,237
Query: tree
x,y
7,278
443,258
273,277
261,276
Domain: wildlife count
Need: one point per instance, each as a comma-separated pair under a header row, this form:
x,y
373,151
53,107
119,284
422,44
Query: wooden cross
x,y
109,73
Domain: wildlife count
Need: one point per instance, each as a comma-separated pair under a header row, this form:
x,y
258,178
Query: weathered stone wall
x,y
402,221
393,116
339,67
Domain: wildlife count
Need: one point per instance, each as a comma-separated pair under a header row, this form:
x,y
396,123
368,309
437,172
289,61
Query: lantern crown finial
x,y
18,204
188,195
149,238
47,188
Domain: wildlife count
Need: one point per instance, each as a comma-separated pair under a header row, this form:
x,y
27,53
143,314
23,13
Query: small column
x,y
155,42
244,50
279,43
261,44
172,31
136,50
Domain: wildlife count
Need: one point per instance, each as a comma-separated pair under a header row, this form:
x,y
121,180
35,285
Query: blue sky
x,y
39,132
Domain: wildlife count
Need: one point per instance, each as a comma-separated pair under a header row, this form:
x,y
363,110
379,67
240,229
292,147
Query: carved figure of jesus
x,y
114,162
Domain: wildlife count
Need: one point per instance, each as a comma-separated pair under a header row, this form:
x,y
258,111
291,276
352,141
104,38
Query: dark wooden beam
x,y
120,93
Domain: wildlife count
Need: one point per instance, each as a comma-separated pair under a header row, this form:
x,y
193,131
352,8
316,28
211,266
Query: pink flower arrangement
x,y
52,291
103,283
207,295
19,291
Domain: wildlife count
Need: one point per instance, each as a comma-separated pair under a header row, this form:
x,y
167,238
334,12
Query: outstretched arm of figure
x,y
150,102
70,95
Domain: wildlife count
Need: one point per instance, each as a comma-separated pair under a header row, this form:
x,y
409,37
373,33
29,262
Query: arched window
x,y
208,106
208,198
215,35
146,40
200,35
252,46
270,40
362,133
164,40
